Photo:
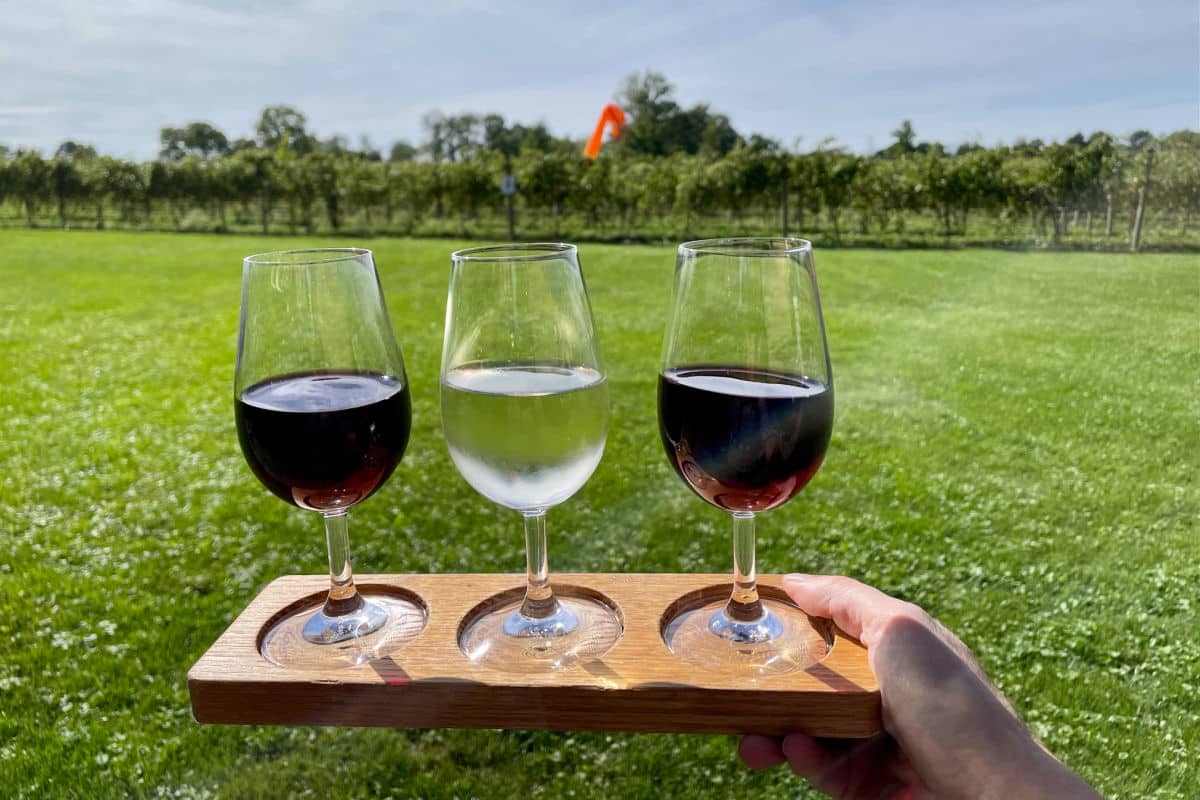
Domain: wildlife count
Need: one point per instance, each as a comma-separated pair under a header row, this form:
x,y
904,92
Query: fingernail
x,y
796,577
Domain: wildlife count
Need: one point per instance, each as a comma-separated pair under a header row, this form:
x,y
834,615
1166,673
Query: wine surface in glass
x,y
324,440
744,439
527,435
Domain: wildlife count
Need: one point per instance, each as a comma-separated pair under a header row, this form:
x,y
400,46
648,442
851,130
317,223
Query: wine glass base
x,y
324,629
384,625
784,642
584,629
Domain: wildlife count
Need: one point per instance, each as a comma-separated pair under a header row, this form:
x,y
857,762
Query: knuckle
x,y
911,611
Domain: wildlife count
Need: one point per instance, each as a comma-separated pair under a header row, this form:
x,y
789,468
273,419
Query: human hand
x,y
947,731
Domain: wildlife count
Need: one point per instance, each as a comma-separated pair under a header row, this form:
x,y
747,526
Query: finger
x,y
760,752
808,757
862,768
856,608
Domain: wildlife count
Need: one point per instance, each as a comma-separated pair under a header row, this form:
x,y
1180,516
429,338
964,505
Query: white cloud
x,y
21,111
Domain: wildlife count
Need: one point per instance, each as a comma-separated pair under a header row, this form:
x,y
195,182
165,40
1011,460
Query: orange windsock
x,y
612,117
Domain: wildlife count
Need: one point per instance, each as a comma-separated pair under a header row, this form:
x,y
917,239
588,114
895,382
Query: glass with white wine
x,y
525,415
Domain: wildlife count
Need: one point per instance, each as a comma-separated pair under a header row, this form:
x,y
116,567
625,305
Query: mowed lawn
x,y
1017,449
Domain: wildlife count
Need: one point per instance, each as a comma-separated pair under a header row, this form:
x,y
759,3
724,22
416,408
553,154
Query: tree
x,y
220,177
660,127
1139,140
1099,153
674,167
67,184
75,151
284,127
96,174
368,150
253,175
594,190
462,136
647,93
835,173
68,175
326,174
434,123
7,180
802,172
1069,171
402,151
905,144
632,175
178,184
451,137
545,179
365,182
866,193
718,137
336,144
1179,181
978,172
158,186
410,188
500,138
469,185
200,139
297,185
125,183
30,181
537,138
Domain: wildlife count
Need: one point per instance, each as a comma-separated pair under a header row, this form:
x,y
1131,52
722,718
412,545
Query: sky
x,y
111,74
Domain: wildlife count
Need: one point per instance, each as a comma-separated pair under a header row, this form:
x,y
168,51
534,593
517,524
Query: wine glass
x,y
323,416
525,415
745,410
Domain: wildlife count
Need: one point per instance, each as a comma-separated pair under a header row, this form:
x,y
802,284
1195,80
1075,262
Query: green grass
x,y
1016,449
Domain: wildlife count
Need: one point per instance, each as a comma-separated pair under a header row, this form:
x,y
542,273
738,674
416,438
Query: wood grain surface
x,y
638,686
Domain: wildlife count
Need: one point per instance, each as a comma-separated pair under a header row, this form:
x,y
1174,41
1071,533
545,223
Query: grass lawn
x,y
1017,449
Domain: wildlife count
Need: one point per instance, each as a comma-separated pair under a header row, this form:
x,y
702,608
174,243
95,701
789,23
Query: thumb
x,y
856,608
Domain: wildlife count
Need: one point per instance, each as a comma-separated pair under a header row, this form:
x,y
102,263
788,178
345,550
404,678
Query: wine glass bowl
x,y
525,417
745,401
323,417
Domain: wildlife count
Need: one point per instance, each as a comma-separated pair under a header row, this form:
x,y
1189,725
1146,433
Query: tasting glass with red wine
x,y
745,409
323,416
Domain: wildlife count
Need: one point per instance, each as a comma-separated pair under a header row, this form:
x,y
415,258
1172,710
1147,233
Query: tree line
x,y
674,173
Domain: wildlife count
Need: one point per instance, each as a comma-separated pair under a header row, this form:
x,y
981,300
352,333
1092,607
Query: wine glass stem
x,y
744,605
343,596
539,600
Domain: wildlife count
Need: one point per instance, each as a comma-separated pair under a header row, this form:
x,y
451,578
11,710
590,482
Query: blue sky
x,y
113,73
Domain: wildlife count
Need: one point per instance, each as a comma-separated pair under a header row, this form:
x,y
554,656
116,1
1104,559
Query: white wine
x,y
526,436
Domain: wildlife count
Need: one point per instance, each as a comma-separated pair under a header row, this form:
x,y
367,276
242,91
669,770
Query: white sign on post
x,y
508,185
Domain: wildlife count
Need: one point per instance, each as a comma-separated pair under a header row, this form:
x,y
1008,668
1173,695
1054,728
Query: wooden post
x,y
508,187
1143,190
783,208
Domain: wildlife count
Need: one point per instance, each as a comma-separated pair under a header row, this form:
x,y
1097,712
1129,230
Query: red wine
x,y
744,439
324,440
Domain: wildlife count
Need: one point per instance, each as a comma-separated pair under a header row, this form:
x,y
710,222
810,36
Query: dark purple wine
x,y
744,439
324,440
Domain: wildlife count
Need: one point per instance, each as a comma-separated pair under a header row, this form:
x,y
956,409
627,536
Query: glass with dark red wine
x,y
323,416
745,409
